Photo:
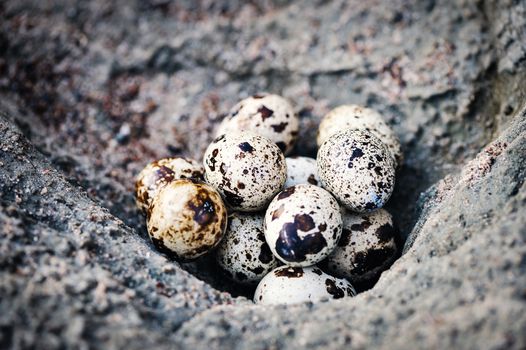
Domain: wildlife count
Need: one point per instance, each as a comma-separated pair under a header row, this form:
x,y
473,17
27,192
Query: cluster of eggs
x,y
302,229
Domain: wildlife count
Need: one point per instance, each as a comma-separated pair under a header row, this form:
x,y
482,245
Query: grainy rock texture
x,y
90,92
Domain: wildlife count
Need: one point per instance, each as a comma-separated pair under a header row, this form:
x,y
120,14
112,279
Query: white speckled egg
x,y
246,169
292,285
357,168
301,170
157,174
303,223
243,253
360,118
268,115
186,219
367,247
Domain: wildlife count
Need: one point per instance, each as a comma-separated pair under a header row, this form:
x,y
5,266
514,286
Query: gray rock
x,y
90,92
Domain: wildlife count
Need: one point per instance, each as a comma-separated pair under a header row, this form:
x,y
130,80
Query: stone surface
x,y
90,92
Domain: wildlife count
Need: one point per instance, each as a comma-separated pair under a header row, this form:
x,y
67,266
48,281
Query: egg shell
x,y
271,116
186,219
243,253
357,168
246,169
303,224
160,172
301,170
367,246
360,118
293,285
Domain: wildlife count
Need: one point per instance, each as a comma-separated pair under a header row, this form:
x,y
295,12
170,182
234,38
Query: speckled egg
x,y
367,246
243,253
303,223
247,169
357,168
186,219
157,174
360,118
268,115
292,285
301,170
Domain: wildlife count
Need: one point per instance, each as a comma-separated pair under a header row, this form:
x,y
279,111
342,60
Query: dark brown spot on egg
x,y
291,247
322,227
290,272
203,208
333,289
385,233
277,213
240,185
286,192
246,147
312,180
356,153
233,198
345,238
256,270
258,96
213,160
265,254
265,112
279,127
369,260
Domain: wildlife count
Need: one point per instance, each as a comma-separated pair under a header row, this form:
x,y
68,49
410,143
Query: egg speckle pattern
x,y
186,219
292,285
246,169
268,115
303,223
159,173
357,168
360,118
301,170
367,246
243,253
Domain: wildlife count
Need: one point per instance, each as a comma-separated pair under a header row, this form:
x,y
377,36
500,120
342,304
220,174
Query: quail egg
x,y
292,285
303,223
357,168
301,170
243,252
360,118
366,248
246,169
157,174
186,219
268,115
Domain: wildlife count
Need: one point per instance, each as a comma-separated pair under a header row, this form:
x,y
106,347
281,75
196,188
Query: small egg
x,y
243,253
292,285
360,118
367,247
303,223
267,115
186,219
301,170
157,174
357,168
246,169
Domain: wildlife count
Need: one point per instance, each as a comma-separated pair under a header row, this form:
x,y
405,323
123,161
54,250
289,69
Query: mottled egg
x,y
303,223
360,118
367,247
292,285
268,115
247,169
301,170
186,219
357,168
243,253
157,174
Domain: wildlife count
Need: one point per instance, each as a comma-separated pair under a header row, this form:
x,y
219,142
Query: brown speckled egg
x,y
243,252
157,174
292,285
246,169
360,118
367,246
357,168
303,223
268,115
301,170
186,219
